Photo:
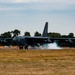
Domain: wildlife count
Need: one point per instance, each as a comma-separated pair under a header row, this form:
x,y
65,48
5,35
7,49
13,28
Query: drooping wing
x,y
6,41
40,40
66,42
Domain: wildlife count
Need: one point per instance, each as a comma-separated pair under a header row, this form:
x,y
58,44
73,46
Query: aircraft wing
x,y
66,42
61,39
6,41
31,40
38,39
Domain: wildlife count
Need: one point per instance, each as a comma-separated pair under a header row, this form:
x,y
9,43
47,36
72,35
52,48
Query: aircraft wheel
x,y
20,47
26,46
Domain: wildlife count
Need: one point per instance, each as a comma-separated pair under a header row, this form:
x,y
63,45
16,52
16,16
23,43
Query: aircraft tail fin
x,y
45,31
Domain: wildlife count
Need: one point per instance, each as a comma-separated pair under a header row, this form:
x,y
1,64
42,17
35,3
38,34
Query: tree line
x,y
16,32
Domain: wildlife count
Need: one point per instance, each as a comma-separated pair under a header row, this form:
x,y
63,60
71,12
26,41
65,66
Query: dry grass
x,y
37,62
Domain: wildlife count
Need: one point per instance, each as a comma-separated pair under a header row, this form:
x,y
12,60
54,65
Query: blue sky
x,y
31,15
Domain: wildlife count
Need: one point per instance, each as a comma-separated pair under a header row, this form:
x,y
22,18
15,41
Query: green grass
x,y
37,62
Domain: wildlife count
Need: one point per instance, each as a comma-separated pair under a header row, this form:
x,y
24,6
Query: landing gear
x,y
20,47
23,46
26,46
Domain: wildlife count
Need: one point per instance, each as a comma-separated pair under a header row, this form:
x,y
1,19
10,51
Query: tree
x,y
16,32
71,35
53,35
64,36
37,34
6,35
27,34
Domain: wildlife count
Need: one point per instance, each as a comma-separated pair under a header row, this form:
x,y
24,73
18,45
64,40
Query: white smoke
x,y
46,46
50,46
53,46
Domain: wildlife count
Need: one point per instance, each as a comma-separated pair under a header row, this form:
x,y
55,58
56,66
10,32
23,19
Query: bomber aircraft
x,y
23,42
26,41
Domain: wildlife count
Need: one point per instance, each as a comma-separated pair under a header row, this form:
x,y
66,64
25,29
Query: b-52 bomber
x,y
23,42
26,41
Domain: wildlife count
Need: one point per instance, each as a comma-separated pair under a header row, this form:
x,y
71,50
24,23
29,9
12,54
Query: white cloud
x,y
36,7
44,5
38,1
9,8
18,1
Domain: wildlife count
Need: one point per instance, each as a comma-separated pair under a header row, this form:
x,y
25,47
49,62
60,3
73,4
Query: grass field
x,y
37,62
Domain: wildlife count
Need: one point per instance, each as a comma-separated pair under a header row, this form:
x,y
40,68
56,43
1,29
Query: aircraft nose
x,y
15,39
49,41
